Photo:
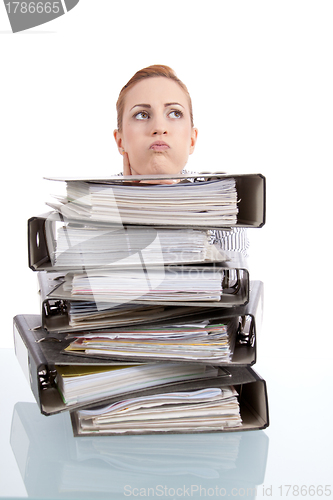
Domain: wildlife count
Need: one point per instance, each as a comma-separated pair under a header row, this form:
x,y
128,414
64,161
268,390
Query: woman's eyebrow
x,y
173,104
141,106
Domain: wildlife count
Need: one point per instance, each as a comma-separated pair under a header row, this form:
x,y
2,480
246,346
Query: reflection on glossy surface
x,y
54,464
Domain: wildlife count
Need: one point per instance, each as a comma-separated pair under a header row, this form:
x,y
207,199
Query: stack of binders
x,y
149,319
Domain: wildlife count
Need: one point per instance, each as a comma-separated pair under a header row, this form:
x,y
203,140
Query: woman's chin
x,y
159,168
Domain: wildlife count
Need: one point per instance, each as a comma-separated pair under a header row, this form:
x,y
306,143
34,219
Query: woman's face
x,y
156,134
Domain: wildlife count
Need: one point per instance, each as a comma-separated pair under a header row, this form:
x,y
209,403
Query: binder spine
x,y
37,247
55,314
249,385
254,398
246,331
255,306
251,191
30,356
251,318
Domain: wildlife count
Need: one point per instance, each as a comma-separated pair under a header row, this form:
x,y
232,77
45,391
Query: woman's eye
x,y
176,113
142,115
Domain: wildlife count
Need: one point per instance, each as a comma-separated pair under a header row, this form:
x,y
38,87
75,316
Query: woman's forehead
x,y
155,91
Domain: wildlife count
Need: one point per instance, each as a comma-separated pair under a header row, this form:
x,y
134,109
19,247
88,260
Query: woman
x,y
155,131
156,134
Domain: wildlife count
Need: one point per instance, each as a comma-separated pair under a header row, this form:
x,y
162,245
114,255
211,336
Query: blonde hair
x,y
149,72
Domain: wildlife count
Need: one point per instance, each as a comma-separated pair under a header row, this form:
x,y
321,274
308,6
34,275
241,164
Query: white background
x,y
261,77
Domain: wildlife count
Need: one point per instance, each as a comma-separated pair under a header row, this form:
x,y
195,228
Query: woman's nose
x,y
159,132
159,127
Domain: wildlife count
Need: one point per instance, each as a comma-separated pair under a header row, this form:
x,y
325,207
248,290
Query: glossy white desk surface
x,y
40,458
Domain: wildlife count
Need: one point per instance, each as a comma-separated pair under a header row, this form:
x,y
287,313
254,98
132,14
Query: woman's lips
x,y
159,146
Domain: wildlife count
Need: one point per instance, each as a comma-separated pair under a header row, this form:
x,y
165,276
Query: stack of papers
x,y
94,245
207,204
175,283
200,341
84,315
78,384
203,410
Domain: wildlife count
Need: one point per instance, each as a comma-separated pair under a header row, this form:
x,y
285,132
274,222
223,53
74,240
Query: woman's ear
x,y
194,137
119,141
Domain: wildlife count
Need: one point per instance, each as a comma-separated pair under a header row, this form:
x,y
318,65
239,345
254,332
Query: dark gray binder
x,y
55,311
235,285
249,385
43,242
30,329
244,321
251,192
